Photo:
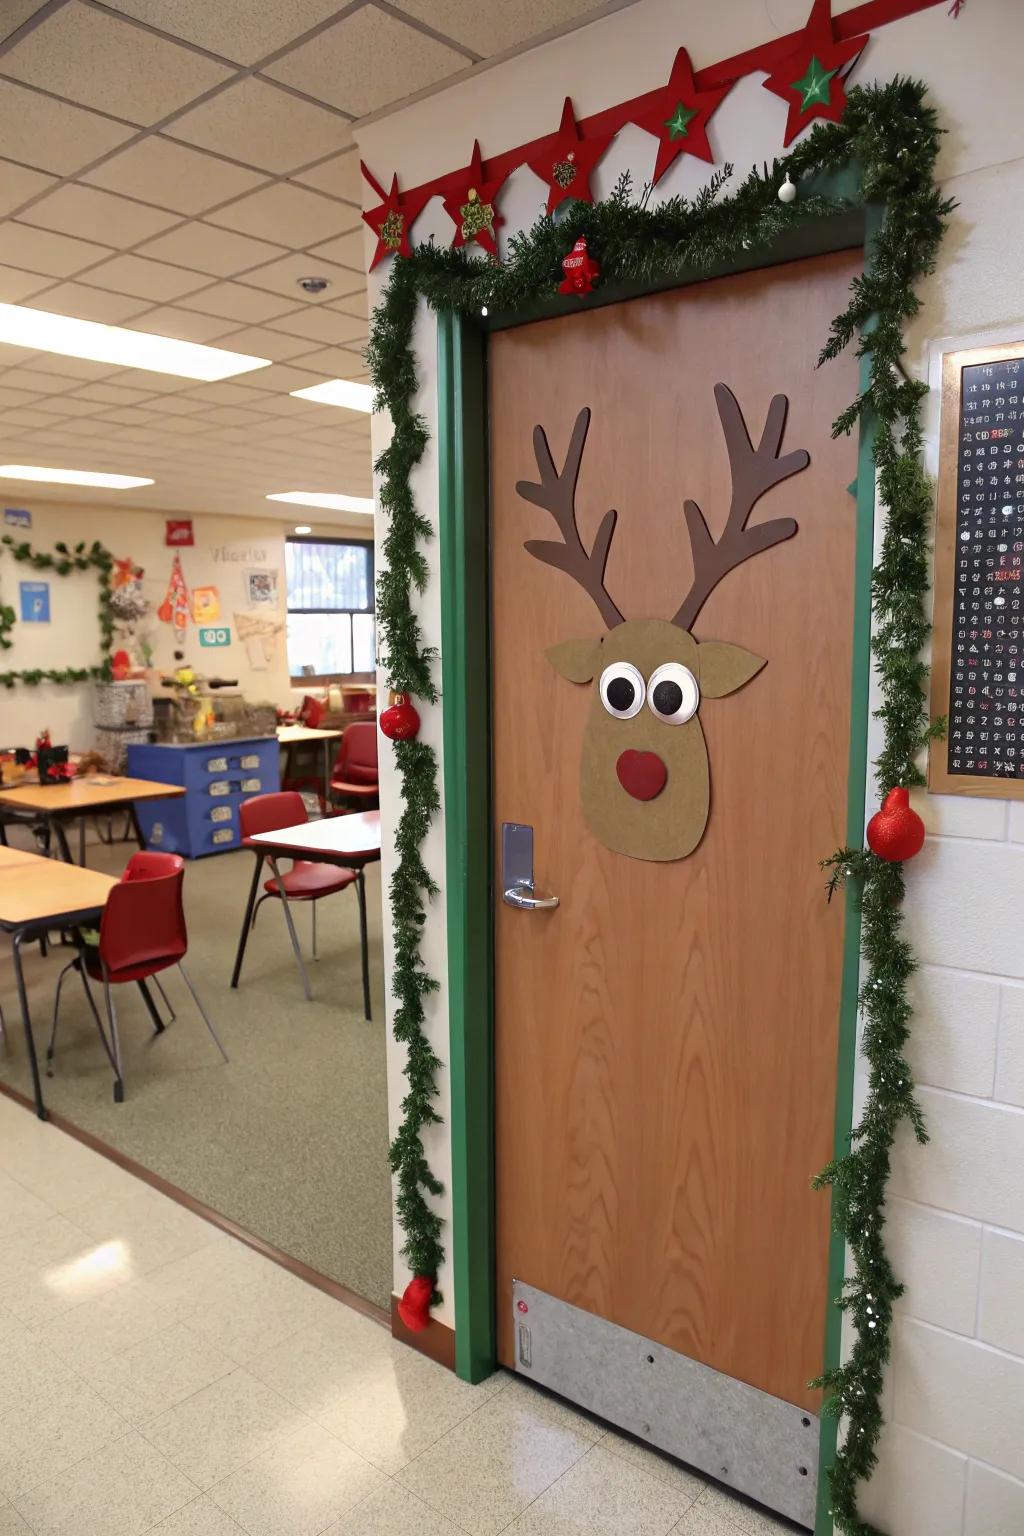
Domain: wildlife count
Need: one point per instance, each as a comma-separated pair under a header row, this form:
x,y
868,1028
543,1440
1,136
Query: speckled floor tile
x,y
218,1430
297,1488
11,1523
19,1208
393,1511
28,1368
120,1491
602,1495
753,1522
107,1325
200,1518
690,1484
154,1375
46,1434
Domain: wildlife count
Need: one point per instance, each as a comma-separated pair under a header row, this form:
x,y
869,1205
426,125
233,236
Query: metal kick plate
x,y
758,1444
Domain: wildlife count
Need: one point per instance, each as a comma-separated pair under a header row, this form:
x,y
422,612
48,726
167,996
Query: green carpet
x,y
290,1138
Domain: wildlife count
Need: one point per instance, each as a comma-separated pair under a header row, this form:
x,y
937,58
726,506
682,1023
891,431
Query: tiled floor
x,y
158,1376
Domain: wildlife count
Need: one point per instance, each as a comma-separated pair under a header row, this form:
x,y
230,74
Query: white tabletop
x,y
356,835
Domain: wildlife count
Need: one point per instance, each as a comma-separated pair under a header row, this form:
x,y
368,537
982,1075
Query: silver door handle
x,y
522,896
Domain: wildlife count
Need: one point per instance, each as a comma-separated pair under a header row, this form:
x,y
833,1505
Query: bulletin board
x,y
978,624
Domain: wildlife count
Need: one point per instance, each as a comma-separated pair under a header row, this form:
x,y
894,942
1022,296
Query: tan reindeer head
x,y
644,780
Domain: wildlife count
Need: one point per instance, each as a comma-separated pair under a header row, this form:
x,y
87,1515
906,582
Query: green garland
x,y
62,562
890,136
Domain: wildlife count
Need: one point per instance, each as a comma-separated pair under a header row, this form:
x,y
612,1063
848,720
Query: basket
x,y
113,746
121,705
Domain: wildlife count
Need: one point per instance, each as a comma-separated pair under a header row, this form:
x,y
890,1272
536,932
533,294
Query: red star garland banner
x,y
567,160
679,118
471,206
811,78
394,218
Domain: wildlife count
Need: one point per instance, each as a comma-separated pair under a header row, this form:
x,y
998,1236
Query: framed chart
x,y
978,627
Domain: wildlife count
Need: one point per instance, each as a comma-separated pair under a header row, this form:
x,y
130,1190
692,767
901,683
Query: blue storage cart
x,y
218,776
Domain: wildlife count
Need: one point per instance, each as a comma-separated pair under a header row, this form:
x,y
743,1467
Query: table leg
x,y
291,927
136,825
26,1019
81,841
57,828
363,946
243,937
327,775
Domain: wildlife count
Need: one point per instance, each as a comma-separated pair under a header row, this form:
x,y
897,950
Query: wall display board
x,y
978,663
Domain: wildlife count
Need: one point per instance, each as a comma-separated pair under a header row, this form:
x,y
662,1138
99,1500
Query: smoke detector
x,y
314,284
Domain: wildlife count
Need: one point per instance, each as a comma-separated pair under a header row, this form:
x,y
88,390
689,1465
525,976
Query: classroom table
x,y
294,735
77,798
352,841
37,894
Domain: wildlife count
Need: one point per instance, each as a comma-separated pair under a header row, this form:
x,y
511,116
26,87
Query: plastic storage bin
x,y
218,776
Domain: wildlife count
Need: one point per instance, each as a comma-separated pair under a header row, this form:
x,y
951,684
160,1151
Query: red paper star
x,y
811,79
679,116
124,572
471,206
393,219
566,160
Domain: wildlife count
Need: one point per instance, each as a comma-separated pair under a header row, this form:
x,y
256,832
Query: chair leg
x,y
112,1021
291,929
363,946
246,921
313,905
96,1016
256,908
151,1009
202,1011
71,965
171,1015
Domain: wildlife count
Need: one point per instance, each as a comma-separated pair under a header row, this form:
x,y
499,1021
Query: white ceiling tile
x,y
15,13
38,383
40,250
490,29
222,393
70,367
171,405
110,394
236,29
89,214
228,415
323,325
217,251
283,276
356,305
71,405
234,301
155,383
98,61
11,356
365,61
347,250
334,361
262,127
338,177
16,285
18,183
182,324
259,342
53,135
11,397
124,416
145,279
285,405
22,416
281,378
87,303
158,170
287,212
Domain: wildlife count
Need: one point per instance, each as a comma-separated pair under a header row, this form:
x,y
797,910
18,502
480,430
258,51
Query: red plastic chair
x,y
307,880
142,932
355,773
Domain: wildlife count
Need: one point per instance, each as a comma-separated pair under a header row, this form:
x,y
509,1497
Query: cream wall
x,y
953,1457
225,547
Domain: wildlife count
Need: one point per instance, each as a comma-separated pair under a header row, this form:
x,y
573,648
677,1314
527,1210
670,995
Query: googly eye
x,y
622,690
672,693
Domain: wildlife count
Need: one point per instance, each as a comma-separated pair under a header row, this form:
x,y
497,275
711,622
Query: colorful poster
x,y
179,531
261,589
174,609
35,602
205,605
259,635
218,635
17,517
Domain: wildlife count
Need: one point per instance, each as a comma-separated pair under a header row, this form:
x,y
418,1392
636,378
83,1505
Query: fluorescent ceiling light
x,y
46,332
328,500
71,476
343,392
303,528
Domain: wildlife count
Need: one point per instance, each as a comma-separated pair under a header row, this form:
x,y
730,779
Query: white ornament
x,y
787,192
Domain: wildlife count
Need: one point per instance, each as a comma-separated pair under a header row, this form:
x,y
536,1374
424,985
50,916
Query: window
x,y
331,630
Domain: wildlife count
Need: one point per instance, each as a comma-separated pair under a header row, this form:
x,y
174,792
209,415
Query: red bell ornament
x,y
400,721
414,1307
896,832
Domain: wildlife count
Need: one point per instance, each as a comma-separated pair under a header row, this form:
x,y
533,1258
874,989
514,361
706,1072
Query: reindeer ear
x,y
575,660
723,668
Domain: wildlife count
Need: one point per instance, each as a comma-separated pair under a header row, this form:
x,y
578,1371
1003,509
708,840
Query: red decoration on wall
x,y
580,270
896,832
179,531
471,206
811,79
400,721
394,217
567,160
679,116
414,1307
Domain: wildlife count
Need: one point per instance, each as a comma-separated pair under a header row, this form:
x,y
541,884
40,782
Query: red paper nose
x,y
641,774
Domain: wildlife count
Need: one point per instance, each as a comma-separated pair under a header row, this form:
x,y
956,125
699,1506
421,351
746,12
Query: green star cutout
x,y
814,85
678,123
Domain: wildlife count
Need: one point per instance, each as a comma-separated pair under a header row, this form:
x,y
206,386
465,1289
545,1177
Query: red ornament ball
x,y
400,721
414,1307
896,832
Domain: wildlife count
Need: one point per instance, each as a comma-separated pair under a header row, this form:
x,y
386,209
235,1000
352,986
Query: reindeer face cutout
x,y
644,780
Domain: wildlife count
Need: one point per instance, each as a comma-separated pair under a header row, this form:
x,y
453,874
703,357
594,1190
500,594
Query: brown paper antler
x,y
556,493
754,471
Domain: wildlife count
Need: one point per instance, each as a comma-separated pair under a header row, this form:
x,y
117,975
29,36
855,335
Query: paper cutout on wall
x,y
645,781
178,530
35,602
205,605
259,635
261,589
174,609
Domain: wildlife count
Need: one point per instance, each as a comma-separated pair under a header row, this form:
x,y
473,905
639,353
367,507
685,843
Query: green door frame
x,y
465,639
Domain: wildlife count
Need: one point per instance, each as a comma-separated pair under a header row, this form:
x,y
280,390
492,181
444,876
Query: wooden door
x,y
666,1040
